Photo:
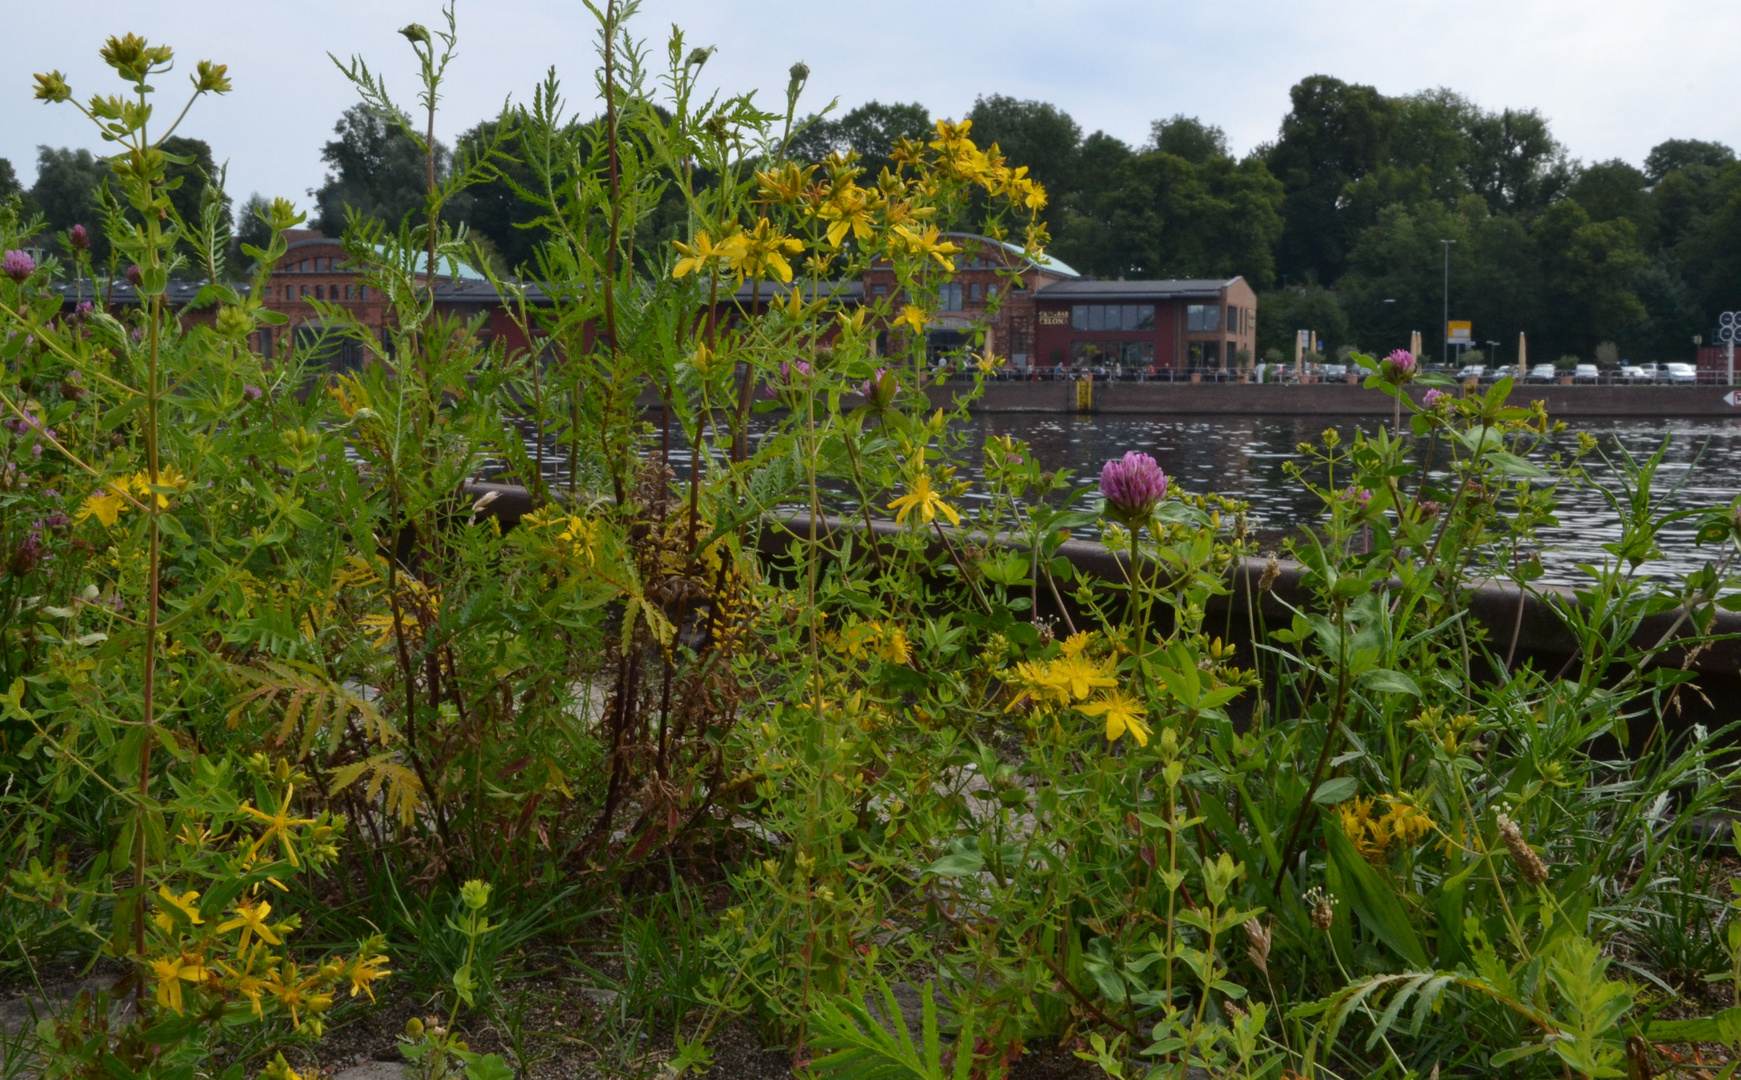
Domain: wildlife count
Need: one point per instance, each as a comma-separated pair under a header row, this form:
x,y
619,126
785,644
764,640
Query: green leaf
x,y
1724,1027
1512,465
963,859
1337,789
1387,681
1365,892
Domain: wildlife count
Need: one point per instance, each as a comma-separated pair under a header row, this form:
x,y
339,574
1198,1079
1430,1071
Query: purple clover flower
x,y
1435,400
251,392
17,265
79,238
83,311
135,275
1398,367
1133,485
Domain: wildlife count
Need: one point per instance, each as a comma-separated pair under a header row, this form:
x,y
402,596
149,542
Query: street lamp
x,y
1493,354
1445,323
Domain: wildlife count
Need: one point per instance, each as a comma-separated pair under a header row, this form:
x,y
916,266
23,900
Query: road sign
x,y
1725,334
1459,333
1726,319
1733,397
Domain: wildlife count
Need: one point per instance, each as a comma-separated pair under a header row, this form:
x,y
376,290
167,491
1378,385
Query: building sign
x,y
1459,333
1054,318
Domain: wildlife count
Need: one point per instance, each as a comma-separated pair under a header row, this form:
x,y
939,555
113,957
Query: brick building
x,y
1049,315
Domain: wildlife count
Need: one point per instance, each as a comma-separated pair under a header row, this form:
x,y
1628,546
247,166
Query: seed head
x,y
1323,908
1529,865
1258,950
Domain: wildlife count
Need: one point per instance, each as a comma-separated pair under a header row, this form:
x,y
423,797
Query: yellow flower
x,y
928,503
187,903
252,920
928,241
106,507
762,253
278,825
364,971
1123,713
1081,676
913,316
1075,643
581,536
703,253
987,363
170,973
848,210
283,984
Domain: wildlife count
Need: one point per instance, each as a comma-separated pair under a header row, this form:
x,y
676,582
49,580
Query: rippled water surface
x,y
1244,457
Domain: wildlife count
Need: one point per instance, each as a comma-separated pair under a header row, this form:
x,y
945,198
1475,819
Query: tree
x,y
378,171
251,227
66,193
1614,189
1515,163
1166,217
1189,138
1588,269
1334,134
9,185
1300,307
1672,155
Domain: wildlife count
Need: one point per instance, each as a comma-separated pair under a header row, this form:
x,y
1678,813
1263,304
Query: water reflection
x,y
1244,458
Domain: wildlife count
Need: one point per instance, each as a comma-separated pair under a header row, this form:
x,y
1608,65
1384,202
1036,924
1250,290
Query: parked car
x,y
1333,371
1586,373
1541,373
1641,373
1472,371
1680,373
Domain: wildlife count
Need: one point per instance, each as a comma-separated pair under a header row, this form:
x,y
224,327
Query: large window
x,y
949,297
1133,318
1203,318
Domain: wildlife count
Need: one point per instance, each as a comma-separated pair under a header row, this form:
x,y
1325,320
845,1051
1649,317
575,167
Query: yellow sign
x,y
1054,318
1085,394
1460,333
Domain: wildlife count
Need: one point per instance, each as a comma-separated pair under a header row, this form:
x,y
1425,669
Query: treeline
x,y
1340,222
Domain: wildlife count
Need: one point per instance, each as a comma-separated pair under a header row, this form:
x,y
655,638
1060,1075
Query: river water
x,y
1243,457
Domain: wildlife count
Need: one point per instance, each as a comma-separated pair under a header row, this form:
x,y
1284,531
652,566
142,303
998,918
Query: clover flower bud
x,y
1132,485
251,392
79,238
17,265
1398,367
135,275
1436,401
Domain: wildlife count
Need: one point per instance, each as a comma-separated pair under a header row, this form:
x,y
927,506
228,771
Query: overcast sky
x,y
1614,77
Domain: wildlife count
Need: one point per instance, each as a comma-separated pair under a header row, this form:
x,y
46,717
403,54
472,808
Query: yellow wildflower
x,y
278,825
1081,676
170,973
1123,713
251,918
187,903
581,536
1076,643
913,316
762,253
928,241
927,502
704,253
105,506
849,209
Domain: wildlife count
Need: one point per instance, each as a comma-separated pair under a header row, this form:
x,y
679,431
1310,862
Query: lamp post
x,y
1445,323
1493,354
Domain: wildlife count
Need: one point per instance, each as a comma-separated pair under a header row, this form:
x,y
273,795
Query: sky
x,y
1613,77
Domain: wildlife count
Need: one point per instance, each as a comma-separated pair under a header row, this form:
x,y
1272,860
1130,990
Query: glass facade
x,y
1129,318
1121,354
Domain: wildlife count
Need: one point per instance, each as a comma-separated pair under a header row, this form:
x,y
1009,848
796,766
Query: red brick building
x,y
1192,326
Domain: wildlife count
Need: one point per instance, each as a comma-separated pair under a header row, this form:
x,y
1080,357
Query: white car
x,y
1541,373
1586,373
1472,371
1641,373
1680,373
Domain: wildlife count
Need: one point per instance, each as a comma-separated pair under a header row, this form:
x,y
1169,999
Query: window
x,y
991,291
1232,319
305,292
1202,318
879,290
949,297
289,292
362,292
1127,318
319,293
973,292
265,339
302,267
